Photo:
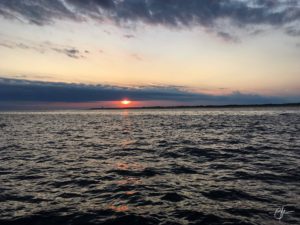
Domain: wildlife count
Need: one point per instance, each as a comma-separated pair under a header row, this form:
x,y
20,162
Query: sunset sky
x,y
89,53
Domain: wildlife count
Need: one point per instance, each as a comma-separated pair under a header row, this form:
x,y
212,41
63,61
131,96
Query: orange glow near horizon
x,y
110,104
125,102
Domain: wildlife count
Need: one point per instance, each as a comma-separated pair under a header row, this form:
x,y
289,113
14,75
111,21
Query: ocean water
x,y
193,166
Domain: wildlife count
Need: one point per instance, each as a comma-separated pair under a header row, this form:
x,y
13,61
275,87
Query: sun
x,y
125,102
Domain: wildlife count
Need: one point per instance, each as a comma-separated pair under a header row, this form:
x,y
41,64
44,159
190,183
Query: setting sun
x,y
126,102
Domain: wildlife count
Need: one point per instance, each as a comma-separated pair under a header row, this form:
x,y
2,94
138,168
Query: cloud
x,y
137,57
293,31
43,47
39,12
129,36
227,36
6,45
71,52
242,14
22,91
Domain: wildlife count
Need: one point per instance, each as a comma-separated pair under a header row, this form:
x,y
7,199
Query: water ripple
x,y
149,167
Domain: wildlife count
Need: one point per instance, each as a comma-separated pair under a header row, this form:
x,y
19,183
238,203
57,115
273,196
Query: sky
x,y
95,53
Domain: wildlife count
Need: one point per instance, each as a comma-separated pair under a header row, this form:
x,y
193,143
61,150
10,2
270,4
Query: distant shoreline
x,y
201,106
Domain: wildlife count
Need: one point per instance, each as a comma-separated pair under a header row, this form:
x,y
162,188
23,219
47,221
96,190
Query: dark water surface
x,y
150,167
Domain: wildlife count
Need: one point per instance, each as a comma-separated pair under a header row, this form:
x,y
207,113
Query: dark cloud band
x,y
175,13
15,90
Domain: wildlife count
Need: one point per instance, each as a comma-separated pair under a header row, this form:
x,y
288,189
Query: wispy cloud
x,y
43,47
129,36
242,14
137,56
17,90
71,52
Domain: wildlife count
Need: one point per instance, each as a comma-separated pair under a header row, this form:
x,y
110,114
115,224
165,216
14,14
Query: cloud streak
x,y
22,91
209,14
43,47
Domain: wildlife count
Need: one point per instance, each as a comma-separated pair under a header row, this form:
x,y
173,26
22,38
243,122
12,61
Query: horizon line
x,y
201,106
